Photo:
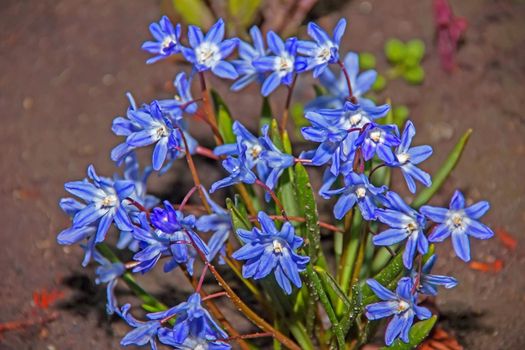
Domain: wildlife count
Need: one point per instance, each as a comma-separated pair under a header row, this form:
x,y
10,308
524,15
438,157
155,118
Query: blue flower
x,y
238,169
247,55
183,100
379,139
109,273
337,87
428,283
337,131
358,189
143,332
208,52
270,250
282,66
402,305
172,235
103,197
275,160
406,158
193,326
323,50
460,222
405,223
167,40
219,221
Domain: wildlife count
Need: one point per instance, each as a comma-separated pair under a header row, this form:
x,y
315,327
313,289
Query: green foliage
x,y
406,59
379,84
243,11
417,334
224,120
367,60
297,113
194,12
446,168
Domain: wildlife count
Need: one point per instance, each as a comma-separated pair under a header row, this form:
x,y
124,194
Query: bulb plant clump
x,y
267,236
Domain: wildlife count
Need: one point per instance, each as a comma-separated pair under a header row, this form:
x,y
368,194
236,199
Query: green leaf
x,y
224,120
243,11
319,90
385,277
332,288
379,84
297,112
401,113
239,220
194,12
415,50
417,334
414,75
308,207
367,60
446,168
395,50
266,113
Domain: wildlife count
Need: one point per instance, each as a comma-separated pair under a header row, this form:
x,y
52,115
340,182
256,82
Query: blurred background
x,y
65,66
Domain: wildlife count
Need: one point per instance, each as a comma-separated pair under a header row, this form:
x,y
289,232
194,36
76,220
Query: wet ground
x,y
65,66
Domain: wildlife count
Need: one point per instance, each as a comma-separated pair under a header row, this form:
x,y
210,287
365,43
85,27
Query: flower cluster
x,y
356,145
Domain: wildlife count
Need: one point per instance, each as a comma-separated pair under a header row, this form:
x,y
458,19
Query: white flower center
x,y
168,41
207,54
109,201
403,158
457,220
284,64
412,227
356,119
255,151
324,53
402,306
375,135
277,246
162,131
360,192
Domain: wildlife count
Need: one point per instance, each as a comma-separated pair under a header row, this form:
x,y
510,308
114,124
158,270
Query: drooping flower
x,y
219,221
323,50
143,332
238,169
194,327
282,65
172,235
166,40
357,190
109,273
208,52
275,160
460,222
268,249
337,87
247,55
405,223
183,100
406,158
428,282
401,305
103,198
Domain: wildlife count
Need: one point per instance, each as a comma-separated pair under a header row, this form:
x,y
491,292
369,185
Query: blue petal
x,y
461,245
477,210
478,230
159,153
224,69
103,227
216,32
458,201
439,233
270,84
379,290
275,43
394,328
435,214
389,237
195,36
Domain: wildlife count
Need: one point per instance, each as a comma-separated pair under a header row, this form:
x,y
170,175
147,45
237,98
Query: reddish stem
x,y
201,280
187,197
274,197
206,152
351,96
138,206
214,295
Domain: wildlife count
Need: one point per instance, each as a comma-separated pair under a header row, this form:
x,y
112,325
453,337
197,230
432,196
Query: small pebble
x,y
27,103
365,7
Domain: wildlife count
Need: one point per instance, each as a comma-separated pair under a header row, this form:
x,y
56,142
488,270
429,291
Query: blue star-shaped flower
x,y
428,282
401,304
405,223
268,249
209,52
247,55
167,40
282,65
406,158
378,139
182,102
143,332
323,50
460,222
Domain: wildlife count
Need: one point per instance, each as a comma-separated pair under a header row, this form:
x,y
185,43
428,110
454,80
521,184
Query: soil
x,y
64,69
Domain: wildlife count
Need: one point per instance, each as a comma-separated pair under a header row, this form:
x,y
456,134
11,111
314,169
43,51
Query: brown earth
x,y
65,66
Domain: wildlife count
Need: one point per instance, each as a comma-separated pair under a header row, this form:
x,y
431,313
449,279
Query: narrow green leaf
x,y
308,206
266,113
224,120
194,12
395,50
239,221
417,334
332,288
443,172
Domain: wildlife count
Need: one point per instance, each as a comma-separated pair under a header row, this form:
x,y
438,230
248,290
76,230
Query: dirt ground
x,y
65,66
